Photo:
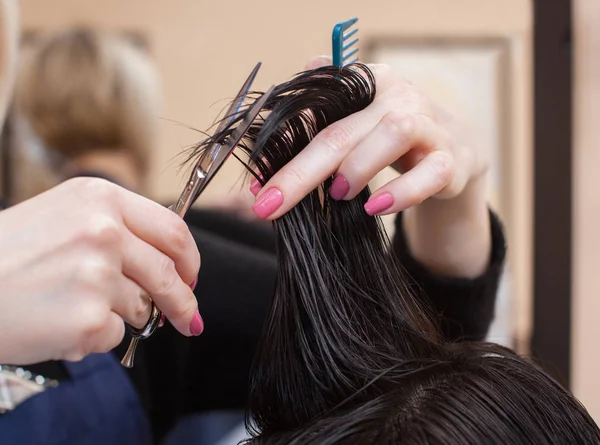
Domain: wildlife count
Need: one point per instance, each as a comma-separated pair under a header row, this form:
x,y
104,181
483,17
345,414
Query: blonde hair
x,y
84,89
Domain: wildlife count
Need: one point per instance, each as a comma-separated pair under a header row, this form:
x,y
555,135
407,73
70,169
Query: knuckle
x,y
94,273
101,230
183,308
94,325
336,139
400,124
414,191
407,95
92,321
79,183
442,165
141,310
382,72
100,190
294,175
179,234
168,277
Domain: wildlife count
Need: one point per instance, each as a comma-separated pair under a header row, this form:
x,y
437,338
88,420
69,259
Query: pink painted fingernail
x,y
379,203
270,201
339,188
197,325
161,323
255,187
194,283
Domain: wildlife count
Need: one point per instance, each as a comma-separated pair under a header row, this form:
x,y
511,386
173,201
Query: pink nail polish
x,y
197,325
255,187
161,323
339,188
194,283
270,201
379,203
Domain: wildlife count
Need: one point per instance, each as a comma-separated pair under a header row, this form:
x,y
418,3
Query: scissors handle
x,y
140,334
129,356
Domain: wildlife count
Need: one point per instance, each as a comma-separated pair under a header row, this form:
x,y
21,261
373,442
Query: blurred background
x,y
524,73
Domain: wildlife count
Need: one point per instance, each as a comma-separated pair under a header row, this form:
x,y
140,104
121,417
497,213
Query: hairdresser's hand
x,y
402,128
73,262
432,150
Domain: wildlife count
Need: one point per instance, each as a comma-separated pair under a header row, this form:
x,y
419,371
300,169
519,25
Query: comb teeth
x,y
342,45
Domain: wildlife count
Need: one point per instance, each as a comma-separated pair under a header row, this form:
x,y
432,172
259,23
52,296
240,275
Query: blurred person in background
x,y
102,120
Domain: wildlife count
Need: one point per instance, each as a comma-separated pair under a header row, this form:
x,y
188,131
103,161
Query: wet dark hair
x,y
348,355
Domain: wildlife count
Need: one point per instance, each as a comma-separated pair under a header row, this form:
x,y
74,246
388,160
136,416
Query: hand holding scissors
x,y
204,171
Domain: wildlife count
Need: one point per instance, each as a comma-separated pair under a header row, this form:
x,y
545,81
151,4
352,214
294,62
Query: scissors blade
x,y
211,162
234,108
236,136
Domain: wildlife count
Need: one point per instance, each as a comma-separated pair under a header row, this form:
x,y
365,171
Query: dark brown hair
x,y
348,355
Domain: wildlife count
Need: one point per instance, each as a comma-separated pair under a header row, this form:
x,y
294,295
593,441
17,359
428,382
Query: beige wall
x,y
586,212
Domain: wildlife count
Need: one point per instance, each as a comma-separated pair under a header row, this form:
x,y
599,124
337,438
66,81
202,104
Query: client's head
x,y
348,354
480,395
92,97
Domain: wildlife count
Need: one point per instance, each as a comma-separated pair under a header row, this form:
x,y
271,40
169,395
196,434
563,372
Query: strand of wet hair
x,y
339,316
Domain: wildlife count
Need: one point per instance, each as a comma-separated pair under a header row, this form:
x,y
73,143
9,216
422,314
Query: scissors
x,y
204,171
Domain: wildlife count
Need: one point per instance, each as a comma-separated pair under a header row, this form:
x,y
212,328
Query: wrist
x,y
470,203
452,237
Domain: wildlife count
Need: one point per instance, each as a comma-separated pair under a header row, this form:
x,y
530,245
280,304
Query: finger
x,y
155,272
107,338
255,184
425,180
162,229
115,331
318,62
395,135
132,303
315,163
386,77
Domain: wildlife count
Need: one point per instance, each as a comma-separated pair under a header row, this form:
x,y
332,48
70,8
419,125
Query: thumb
x,y
318,62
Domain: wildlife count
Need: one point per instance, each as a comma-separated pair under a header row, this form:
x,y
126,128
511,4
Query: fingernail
x,y
255,187
194,283
270,201
339,188
379,203
161,323
197,325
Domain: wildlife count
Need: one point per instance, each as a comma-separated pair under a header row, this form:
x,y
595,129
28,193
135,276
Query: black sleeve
x,y
211,371
465,306
257,234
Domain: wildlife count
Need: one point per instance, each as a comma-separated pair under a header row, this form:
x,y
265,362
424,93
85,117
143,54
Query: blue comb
x,y
341,43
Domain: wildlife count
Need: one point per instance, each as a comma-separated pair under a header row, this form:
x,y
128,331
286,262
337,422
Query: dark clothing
x,y
96,405
175,375
465,306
